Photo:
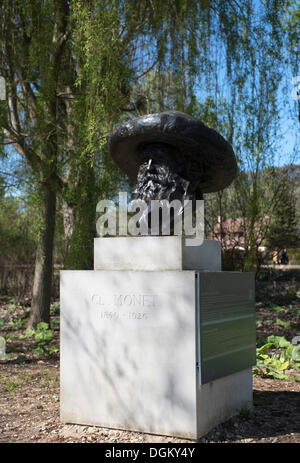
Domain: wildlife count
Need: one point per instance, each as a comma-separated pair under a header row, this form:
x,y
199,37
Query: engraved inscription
x,y
111,305
142,300
97,299
110,315
127,300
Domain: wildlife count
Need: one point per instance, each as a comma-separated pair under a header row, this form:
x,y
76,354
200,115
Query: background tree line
x,y
74,69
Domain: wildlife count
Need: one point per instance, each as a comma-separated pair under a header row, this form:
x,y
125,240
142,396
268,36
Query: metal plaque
x,y
225,312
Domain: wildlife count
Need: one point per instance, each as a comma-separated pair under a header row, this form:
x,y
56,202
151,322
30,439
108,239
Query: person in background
x,y
284,257
275,257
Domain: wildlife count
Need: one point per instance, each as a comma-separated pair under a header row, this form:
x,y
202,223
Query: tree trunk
x,y
69,224
42,285
81,249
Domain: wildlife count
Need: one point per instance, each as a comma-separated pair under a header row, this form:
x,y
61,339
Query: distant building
x,y
232,233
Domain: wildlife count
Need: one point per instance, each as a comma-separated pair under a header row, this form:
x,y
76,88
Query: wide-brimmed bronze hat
x,y
211,158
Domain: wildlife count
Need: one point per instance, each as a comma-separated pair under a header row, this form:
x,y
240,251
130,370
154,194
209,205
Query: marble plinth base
x,y
153,253
160,352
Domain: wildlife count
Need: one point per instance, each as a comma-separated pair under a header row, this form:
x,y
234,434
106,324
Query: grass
x,y
11,386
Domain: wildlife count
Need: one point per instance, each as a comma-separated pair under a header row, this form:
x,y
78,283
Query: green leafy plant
x,y
55,322
279,341
46,377
276,363
43,335
14,306
25,377
18,323
277,308
11,386
285,325
55,308
7,298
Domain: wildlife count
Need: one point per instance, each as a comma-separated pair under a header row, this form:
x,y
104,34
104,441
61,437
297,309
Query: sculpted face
x,y
172,156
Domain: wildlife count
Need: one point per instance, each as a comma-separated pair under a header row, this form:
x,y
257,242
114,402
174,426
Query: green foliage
x,y
277,308
43,336
294,255
55,308
11,386
18,323
16,235
7,298
278,341
25,377
282,232
14,306
275,364
285,325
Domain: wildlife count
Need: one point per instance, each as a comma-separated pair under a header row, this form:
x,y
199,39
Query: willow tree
x,y
34,37
72,71
257,138
44,120
282,232
119,46
241,53
68,70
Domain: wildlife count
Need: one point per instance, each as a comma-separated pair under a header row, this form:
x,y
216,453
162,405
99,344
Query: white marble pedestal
x,y
162,351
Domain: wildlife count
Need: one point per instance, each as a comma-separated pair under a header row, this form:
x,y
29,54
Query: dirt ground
x,y
29,384
30,412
